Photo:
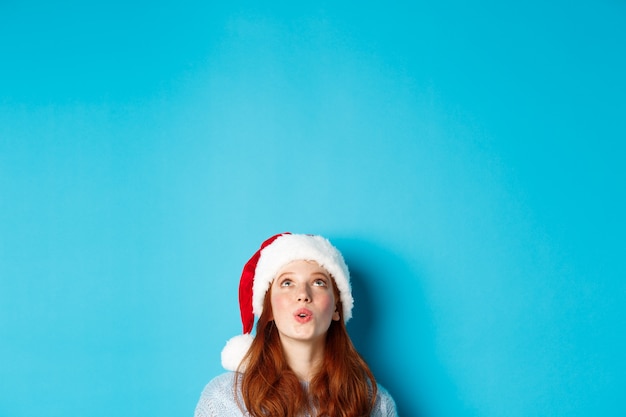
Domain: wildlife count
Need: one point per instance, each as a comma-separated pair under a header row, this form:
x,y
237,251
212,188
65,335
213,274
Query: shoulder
x,y
385,405
219,398
225,381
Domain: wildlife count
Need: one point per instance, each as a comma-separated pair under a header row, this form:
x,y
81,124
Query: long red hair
x,y
344,386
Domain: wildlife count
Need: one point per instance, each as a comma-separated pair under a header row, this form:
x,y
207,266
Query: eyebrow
x,y
314,274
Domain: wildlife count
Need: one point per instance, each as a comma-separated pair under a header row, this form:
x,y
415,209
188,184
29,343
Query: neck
x,y
304,359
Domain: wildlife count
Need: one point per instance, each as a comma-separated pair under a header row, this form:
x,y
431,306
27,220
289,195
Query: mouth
x,y
303,315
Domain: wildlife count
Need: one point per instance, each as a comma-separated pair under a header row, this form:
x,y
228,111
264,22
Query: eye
x,y
319,283
286,283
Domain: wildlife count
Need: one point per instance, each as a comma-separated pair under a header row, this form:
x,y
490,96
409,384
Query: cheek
x,y
278,303
328,303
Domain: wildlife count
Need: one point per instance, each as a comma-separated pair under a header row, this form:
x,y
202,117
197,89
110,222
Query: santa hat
x,y
260,271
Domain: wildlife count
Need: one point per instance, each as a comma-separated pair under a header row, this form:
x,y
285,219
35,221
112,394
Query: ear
x,y
336,316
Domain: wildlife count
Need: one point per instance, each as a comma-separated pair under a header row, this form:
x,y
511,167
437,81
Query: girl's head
x,y
282,256
303,302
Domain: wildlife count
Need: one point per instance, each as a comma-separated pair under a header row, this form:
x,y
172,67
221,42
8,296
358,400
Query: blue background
x,y
466,158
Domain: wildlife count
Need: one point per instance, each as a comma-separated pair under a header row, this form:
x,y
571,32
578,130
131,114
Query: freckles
x,y
328,303
279,302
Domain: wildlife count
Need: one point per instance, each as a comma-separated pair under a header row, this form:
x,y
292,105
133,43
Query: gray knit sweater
x,y
218,400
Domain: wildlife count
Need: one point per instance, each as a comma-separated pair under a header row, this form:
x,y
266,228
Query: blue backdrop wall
x,y
466,158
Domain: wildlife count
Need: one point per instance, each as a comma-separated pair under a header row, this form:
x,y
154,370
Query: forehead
x,y
302,266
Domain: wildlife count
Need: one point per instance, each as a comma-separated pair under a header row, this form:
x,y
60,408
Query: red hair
x,y
344,385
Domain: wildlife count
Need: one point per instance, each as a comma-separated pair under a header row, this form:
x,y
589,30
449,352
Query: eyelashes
x,y
318,282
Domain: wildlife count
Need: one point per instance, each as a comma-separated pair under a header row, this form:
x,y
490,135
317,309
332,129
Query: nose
x,y
303,294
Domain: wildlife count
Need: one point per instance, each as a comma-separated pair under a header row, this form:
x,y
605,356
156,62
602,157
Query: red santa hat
x,y
260,271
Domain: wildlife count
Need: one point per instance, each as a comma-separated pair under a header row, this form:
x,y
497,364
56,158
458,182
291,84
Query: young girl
x,y
301,361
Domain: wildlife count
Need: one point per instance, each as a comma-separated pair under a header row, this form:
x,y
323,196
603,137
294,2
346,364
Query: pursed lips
x,y
303,315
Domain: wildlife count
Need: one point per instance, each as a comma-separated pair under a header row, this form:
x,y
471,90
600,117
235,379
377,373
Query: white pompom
x,y
235,350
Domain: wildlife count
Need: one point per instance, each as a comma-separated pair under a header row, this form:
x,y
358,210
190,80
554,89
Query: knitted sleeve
x,y
218,399
385,405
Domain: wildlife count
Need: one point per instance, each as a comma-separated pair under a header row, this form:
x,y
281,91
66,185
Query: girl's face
x,y
303,302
